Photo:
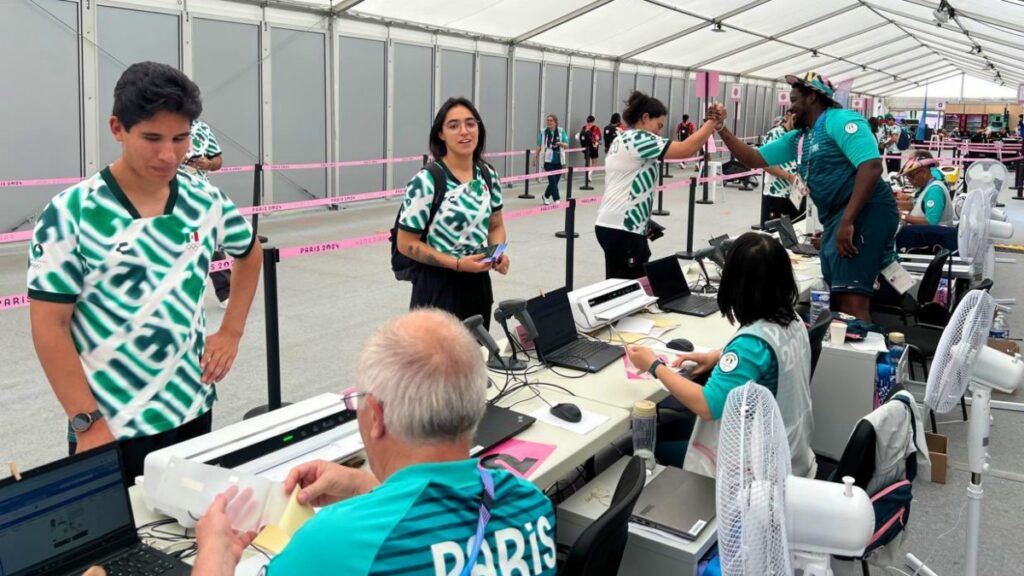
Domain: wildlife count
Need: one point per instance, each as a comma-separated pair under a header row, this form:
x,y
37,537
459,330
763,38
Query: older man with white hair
x,y
425,507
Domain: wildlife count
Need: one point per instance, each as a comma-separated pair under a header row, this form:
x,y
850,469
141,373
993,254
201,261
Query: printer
x,y
600,304
267,446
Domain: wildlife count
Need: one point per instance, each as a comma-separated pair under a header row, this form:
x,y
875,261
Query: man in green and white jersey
x,y
424,502
117,274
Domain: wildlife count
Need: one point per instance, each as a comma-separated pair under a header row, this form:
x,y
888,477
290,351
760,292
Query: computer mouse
x,y
567,412
681,344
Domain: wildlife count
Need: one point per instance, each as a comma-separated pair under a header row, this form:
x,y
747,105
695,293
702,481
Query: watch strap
x,y
654,367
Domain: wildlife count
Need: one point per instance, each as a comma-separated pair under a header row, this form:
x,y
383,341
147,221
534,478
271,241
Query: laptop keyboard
x,y
694,304
137,562
577,353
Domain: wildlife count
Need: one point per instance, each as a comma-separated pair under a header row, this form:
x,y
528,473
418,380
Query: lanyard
x,y
487,500
810,144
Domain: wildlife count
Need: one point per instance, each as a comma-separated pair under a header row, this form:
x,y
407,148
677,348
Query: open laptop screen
x,y
63,509
553,318
666,278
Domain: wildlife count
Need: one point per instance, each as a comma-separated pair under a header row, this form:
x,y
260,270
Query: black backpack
x,y
610,132
404,267
904,140
586,138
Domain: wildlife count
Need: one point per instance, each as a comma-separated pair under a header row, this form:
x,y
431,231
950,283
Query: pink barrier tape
x,y
728,177
684,160
14,301
345,164
674,185
15,236
323,247
236,169
523,213
40,182
333,200
533,175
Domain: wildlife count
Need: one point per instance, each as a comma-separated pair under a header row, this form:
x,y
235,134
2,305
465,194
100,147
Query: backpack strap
x,y
440,179
911,462
485,171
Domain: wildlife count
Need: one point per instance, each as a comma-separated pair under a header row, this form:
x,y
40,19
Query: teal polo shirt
x,y
746,358
934,204
422,520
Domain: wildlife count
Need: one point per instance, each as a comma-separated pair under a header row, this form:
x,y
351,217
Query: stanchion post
x,y
570,242
688,254
271,256
666,169
661,193
257,195
426,158
764,205
526,183
566,233
1018,177
588,162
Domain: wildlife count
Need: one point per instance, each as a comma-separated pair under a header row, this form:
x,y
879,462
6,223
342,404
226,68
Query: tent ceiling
x,y
862,40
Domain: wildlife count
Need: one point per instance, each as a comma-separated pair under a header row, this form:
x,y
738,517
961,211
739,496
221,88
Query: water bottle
x,y
645,423
885,380
820,300
897,344
999,327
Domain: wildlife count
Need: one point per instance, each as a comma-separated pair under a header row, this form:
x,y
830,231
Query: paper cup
x,y
837,333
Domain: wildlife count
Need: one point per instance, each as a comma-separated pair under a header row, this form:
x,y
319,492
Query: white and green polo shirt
x,y
204,145
422,520
631,175
779,188
463,221
137,285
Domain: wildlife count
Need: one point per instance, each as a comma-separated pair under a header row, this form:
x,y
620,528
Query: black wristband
x,y
654,367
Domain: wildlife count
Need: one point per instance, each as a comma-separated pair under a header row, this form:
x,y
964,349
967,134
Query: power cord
x,y
924,563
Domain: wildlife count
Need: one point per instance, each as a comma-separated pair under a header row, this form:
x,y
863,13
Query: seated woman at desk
x,y
931,203
771,347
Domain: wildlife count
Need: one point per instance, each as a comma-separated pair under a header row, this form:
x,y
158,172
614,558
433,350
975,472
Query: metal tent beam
x,y
559,21
818,47
344,6
704,23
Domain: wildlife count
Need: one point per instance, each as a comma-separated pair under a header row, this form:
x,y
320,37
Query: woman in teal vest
x,y
843,171
771,347
932,204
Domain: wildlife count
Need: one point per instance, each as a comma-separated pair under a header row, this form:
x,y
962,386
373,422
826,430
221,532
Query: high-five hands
x,y
717,113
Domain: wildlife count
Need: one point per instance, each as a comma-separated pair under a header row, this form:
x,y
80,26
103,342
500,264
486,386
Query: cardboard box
x,y
937,451
1006,346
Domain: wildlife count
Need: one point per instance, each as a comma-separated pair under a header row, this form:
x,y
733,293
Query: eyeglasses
x,y
349,396
471,125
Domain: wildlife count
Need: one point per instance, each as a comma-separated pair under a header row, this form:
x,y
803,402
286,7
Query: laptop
x,y
69,515
499,424
557,342
678,502
790,239
669,285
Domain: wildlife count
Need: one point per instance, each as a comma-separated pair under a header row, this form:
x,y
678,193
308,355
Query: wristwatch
x,y
654,367
84,420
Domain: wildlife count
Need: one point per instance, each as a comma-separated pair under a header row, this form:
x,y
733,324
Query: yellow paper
x,y
274,537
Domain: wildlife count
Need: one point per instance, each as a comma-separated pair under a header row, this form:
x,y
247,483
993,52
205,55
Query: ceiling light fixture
x,y
943,13
814,53
717,27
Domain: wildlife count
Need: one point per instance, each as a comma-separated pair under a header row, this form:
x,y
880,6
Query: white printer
x,y
600,304
268,446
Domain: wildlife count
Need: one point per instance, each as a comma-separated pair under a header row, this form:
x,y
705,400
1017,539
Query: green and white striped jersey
x,y
204,145
631,175
778,188
463,221
137,285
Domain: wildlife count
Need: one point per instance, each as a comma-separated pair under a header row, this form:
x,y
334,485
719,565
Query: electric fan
x,y
771,523
987,175
963,359
975,232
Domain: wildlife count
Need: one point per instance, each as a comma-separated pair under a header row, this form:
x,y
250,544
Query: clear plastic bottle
x,y
999,326
645,424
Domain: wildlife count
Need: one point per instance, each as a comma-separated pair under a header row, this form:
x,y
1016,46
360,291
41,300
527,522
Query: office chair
x,y
816,333
905,306
598,551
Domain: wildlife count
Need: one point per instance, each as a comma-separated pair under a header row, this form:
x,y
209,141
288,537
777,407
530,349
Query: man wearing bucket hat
x,y
931,199
841,166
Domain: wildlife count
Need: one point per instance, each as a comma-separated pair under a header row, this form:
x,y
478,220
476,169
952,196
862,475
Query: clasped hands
x,y
717,113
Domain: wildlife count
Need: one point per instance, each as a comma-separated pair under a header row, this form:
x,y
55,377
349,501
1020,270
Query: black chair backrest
x,y
816,334
932,275
598,551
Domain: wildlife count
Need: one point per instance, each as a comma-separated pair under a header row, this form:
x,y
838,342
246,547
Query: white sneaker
x,y
547,201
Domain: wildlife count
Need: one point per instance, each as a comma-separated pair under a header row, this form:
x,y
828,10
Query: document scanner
x,y
600,304
269,446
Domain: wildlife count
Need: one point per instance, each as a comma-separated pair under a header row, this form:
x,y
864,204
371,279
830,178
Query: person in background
x,y
590,140
771,347
205,156
631,175
551,144
873,123
843,173
932,204
889,139
612,131
781,178
117,275
685,128
453,274
424,497
1020,126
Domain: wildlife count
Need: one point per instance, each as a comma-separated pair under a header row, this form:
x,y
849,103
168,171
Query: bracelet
x,y
654,367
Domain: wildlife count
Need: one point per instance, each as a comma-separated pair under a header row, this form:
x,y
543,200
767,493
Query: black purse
x,y
654,230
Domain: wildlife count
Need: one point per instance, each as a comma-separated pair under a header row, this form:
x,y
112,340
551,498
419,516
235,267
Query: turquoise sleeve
x,y
780,151
934,204
744,359
564,135
852,134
